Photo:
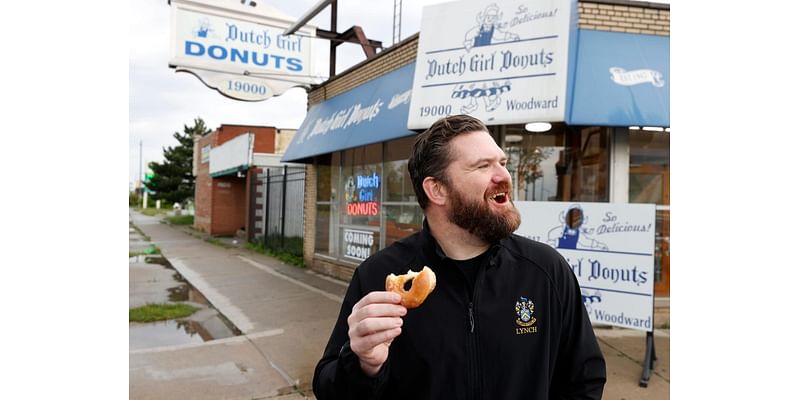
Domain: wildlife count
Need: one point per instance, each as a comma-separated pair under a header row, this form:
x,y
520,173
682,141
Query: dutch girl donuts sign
x,y
610,249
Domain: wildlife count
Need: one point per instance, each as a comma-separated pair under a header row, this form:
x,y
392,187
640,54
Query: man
x,y
506,319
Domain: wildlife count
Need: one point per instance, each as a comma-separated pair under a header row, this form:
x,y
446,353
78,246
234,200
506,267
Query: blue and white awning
x,y
374,112
621,79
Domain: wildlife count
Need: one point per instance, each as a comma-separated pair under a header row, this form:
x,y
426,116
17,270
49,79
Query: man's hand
x,y
374,322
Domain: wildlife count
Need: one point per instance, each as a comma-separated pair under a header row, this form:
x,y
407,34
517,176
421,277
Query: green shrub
x,y
181,220
288,254
291,245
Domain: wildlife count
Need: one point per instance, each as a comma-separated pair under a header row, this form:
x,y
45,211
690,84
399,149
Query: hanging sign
x,y
240,50
502,62
610,249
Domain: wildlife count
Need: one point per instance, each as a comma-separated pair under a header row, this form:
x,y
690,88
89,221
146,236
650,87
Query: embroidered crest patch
x,y
524,308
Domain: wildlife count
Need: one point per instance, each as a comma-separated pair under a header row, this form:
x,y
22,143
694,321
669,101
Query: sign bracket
x,y
649,359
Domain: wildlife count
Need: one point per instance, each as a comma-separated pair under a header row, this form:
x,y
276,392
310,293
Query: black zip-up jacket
x,y
473,344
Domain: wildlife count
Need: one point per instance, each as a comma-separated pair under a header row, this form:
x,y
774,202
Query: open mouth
x,y
499,198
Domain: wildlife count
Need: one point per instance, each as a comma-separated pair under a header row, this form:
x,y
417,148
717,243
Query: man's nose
x,y
501,175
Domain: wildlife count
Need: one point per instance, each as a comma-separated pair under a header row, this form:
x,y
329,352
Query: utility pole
x,y
140,161
397,21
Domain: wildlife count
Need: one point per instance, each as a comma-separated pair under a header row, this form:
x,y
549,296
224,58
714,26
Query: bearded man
x,y
506,319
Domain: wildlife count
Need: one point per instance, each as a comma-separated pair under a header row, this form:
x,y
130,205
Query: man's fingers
x,y
378,297
376,310
374,325
366,343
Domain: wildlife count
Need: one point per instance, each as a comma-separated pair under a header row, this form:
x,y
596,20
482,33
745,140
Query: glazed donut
x,y
422,285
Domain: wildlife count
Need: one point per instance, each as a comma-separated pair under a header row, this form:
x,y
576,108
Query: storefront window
x,y
360,202
398,181
323,237
532,160
649,183
563,164
402,221
325,175
402,214
361,186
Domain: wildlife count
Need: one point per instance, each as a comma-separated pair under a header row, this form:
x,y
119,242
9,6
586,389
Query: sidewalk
x,y
286,315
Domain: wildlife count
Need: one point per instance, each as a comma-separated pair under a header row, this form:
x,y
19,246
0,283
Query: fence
x,y
276,211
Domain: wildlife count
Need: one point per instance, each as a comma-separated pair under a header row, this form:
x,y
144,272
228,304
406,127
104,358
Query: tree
x,y
172,179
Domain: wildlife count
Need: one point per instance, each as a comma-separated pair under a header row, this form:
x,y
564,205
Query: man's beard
x,y
477,218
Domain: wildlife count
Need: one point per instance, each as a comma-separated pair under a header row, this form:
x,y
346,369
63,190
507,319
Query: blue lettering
x,y
277,60
222,53
364,195
189,46
233,31
368,181
241,55
294,64
263,61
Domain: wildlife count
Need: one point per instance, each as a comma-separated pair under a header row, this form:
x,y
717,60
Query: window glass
x,y
649,148
649,167
360,186
327,179
323,235
649,183
532,159
589,172
562,164
402,221
324,177
398,181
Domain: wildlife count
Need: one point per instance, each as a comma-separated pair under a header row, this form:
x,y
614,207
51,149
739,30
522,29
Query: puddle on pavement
x,y
204,325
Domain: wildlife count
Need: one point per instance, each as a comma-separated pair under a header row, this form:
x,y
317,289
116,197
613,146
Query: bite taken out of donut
x,y
422,285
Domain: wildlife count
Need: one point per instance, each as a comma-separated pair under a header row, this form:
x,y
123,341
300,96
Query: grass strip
x,y
160,312
286,257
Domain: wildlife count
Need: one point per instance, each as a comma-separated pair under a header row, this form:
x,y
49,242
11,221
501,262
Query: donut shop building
x,y
576,93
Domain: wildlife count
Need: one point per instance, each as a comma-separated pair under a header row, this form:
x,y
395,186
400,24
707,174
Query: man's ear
x,y
435,190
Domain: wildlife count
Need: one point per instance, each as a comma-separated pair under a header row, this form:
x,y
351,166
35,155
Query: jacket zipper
x,y
471,319
472,349
473,338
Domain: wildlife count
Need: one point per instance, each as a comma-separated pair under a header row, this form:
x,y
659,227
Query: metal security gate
x,y
276,209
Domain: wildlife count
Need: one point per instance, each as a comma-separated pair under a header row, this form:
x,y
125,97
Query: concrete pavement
x,y
286,314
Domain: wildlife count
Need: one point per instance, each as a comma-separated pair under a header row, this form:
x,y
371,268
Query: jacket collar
x,y
432,249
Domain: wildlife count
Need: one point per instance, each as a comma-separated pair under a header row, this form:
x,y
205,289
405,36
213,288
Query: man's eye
x,y
483,166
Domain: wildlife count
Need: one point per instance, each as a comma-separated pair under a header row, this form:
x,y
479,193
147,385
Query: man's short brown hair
x,y
431,153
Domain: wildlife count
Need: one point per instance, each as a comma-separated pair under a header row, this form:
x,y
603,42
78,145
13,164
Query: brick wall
x,y
340,271
624,16
309,215
228,212
202,189
386,61
221,203
264,136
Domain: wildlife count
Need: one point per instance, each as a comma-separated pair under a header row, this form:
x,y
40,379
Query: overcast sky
x,y
163,101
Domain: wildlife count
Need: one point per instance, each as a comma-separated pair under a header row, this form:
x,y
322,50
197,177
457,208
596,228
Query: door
x,y
649,183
